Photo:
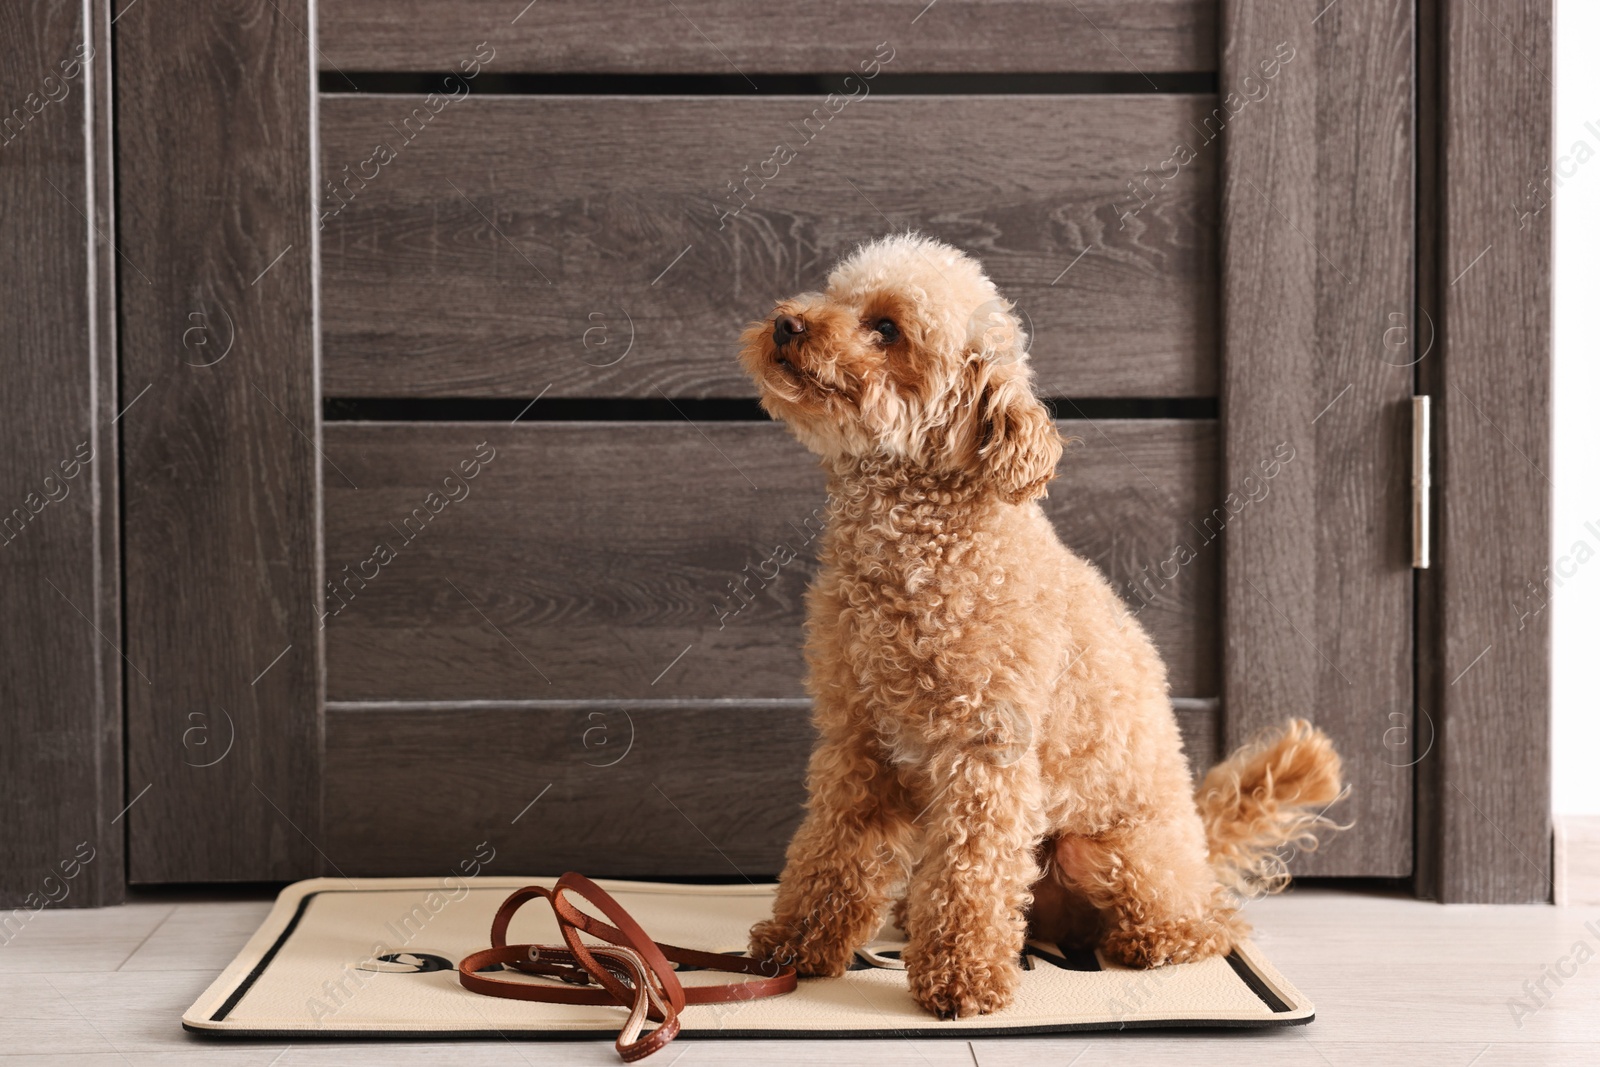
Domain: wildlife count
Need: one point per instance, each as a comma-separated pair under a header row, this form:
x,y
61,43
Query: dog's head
x,y
910,354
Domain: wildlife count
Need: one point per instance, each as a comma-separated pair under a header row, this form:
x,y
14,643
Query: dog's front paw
x,y
953,987
815,951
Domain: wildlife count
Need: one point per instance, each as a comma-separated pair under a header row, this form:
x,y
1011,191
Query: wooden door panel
x,y
610,561
746,39
220,500
1317,272
590,245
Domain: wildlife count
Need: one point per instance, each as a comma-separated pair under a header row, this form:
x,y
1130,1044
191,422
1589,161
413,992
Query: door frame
x,y
1485,119
61,675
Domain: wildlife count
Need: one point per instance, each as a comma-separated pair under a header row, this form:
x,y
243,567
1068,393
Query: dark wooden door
x,y
450,519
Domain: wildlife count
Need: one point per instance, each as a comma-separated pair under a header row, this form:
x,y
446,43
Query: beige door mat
x,y
375,957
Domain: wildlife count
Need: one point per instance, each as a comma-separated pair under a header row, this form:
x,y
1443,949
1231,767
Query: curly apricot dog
x,y
995,732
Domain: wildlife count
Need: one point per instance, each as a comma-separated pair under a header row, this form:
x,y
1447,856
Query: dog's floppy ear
x,y
1016,445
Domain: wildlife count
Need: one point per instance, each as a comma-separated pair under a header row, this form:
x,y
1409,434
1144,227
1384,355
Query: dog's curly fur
x,y
996,739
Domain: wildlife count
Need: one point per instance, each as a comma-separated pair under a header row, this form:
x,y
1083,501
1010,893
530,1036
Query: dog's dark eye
x,y
887,330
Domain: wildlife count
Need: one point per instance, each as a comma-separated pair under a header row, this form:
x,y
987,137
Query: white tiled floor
x,y
1395,981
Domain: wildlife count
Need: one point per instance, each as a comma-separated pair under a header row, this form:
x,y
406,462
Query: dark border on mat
x,y
1247,974
755,1035
1253,981
266,958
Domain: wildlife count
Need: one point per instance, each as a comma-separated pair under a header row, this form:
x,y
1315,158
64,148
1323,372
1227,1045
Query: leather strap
x,y
632,970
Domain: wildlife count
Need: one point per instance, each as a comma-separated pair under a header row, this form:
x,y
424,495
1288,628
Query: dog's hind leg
x,y
1158,898
850,850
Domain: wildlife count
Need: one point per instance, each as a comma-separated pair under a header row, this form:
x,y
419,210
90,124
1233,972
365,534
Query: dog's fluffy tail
x,y
1270,793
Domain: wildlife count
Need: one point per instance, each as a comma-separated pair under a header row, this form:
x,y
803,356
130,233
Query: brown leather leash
x,y
632,971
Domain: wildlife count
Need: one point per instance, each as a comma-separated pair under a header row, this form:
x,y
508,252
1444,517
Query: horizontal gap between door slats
x,y
1084,84
1180,705
709,409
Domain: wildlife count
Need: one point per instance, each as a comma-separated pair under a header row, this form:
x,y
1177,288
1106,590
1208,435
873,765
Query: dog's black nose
x,y
786,329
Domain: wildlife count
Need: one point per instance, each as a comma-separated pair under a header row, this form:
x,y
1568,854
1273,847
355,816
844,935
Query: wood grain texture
x,y
589,243
1317,258
642,788
1492,781
729,37
635,560
60,671
222,472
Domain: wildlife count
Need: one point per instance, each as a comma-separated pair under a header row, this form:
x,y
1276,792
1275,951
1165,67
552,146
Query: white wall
x,y
1574,578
